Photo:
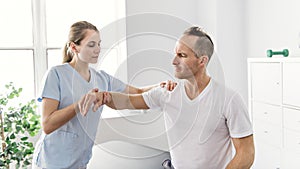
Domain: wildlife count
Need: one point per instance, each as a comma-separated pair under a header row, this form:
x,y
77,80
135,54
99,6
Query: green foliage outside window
x,y
18,122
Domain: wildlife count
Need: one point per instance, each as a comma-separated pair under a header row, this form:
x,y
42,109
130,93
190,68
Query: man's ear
x,y
203,59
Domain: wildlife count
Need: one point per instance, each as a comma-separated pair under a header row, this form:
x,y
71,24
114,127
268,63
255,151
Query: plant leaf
x,y
24,138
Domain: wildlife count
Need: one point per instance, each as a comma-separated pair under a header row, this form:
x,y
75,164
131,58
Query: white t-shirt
x,y
200,130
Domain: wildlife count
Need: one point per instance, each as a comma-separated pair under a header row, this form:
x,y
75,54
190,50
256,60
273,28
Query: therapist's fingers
x,y
84,105
172,85
80,105
169,85
93,97
95,90
86,101
163,84
98,101
90,100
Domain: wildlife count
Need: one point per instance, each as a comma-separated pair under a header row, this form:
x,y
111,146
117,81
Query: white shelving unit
x,y
274,104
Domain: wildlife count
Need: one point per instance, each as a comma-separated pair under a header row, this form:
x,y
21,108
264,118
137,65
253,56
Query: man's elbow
x,y
251,156
248,157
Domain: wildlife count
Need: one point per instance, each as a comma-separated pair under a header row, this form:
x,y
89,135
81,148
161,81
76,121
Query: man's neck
x,y
193,87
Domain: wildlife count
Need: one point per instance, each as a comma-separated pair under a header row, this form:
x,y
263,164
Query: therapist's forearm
x,y
52,120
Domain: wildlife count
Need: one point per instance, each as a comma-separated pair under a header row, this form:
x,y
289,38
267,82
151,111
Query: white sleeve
x,y
154,97
238,119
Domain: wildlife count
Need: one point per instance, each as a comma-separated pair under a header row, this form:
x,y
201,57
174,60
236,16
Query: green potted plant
x,y
18,122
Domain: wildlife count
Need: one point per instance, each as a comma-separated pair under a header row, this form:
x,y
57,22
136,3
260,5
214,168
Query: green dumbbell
x,y
285,53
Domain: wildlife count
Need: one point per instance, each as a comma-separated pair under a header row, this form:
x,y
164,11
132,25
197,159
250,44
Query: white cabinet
x,y
267,112
274,104
266,80
267,157
291,119
291,83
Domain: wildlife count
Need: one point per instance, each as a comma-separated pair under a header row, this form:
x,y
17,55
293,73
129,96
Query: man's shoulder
x,y
227,94
222,87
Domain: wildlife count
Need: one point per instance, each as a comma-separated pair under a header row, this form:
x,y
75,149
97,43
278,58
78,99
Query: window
x,y
16,24
34,31
17,66
16,47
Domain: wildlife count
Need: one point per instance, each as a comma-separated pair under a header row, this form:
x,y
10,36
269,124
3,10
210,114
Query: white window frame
x,y
39,41
40,47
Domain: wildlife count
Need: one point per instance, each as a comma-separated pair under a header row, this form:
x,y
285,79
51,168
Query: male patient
x,y
203,118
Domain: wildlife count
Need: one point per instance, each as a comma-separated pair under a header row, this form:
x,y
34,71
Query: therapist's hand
x,y
169,85
92,97
104,98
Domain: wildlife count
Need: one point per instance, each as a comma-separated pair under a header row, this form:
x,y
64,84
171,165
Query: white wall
x,y
231,43
272,24
223,20
152,30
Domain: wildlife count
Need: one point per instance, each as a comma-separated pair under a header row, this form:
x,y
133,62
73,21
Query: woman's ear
x,y
73,47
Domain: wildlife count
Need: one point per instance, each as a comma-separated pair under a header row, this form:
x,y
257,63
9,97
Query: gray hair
x,y
204,45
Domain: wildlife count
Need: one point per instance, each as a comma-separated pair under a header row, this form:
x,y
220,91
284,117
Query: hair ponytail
x,y
67,53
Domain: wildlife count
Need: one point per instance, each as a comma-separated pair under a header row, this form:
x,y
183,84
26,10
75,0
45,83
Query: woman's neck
x,y
81,68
